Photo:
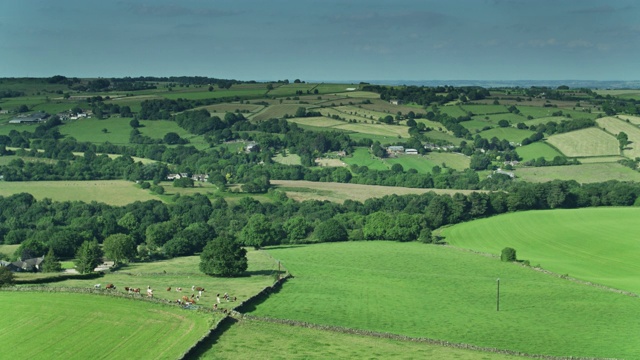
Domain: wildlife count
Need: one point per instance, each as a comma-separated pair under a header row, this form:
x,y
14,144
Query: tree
x,y
223,257
51,263
6,276
171,138
296,229
508,254
119,248
504,123
134,123
623,139
258,232
330,231
88,257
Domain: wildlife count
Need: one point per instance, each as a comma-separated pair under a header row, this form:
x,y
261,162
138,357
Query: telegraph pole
x,y
498,296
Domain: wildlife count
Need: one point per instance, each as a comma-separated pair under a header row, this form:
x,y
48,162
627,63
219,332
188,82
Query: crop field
x,y
507,133
386,107
635,120
376,129
444,293
485,109
203,93
328,112
600,159
221,109
537,150
250,339
275,111
290,89
112,192
339,88
361,112
79,326
591,244
615,126
584,173
585,142
339,192
319,121
362,157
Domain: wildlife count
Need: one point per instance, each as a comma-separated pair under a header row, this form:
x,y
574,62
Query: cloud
x,y
177,10
579,44
540,43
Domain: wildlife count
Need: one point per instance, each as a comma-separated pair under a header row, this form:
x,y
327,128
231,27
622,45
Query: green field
x,y
290,159
485,109
112,192
444,293
251,339
362,157
584,173
615,126
508,133
592,244
585,142
275,111
90,130
537,150
78,326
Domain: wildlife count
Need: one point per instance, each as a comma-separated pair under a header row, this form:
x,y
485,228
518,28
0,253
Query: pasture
x,y
635,120
339,192
363,157
615,126
252,339
90,130
591,244
585,142
445,293
511,134
485,109
537,150
183,272
112,192
452,110
78,326
583,173
275,111
290,159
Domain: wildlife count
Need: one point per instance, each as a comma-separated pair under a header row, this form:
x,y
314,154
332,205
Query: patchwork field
x,y
635,120
339,192
615,126
507,133
584,173
112,192
585,142
444,293
592,244
78,326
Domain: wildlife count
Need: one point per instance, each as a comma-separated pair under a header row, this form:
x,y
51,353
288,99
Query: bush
x,y
508,254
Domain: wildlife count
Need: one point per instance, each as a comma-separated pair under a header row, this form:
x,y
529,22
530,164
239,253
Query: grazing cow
x,y
199,288
97,286
168,289
136,290
110,286
179,289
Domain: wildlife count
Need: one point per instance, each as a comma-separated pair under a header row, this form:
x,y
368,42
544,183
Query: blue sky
x,y
323,39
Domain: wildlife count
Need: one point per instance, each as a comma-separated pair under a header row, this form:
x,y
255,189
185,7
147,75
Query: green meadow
x,y
592,244
90,130
362,157
507,133
583,173
251,339
445,293
78,326
537,150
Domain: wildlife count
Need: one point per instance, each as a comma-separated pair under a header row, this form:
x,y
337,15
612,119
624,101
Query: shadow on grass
x,y
207,344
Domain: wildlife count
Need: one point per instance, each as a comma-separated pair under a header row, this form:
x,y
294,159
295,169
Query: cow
x,y
179,289
97,286
168,289
199,288
136,290
110,286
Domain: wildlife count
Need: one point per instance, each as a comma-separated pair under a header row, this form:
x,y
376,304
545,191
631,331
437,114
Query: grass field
x,y
339,192
445,293
635,120
593,244
585,142
536,150
290,159
600,159
90,130
507,133
453,110
184,272
9,249
584,173
615,126
485,109
362,157
78,326
250,339
275,111
112,192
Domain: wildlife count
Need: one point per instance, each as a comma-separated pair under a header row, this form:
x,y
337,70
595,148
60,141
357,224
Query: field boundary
x,y
352,331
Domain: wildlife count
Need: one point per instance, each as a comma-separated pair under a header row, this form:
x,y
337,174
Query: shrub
x,y
508,254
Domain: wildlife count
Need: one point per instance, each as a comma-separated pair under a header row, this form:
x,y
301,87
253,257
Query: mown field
x,y
338,192
615,126
250,339
78,326
444,293
112,192
585,142
584,173
592,244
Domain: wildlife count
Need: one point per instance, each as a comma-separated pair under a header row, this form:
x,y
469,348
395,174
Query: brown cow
x,y
199,288
136,290
110,286
168,289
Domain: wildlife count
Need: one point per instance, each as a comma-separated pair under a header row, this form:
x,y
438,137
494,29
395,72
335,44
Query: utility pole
x,y
498,296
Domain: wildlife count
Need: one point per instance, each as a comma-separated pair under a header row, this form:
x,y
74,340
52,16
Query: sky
x,y
323,40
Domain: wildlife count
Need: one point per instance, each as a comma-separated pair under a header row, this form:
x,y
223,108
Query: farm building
x,y
28,265
411,151
395,149
177,176
30,119
200,177
395,102
253,147
508,173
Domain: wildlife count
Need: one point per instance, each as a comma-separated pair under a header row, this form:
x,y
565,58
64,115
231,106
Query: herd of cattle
x,y
183,300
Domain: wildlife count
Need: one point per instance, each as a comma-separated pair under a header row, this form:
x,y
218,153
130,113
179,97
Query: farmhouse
x,y
28,265
200,177
395,149
253,147
177,176
30,119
